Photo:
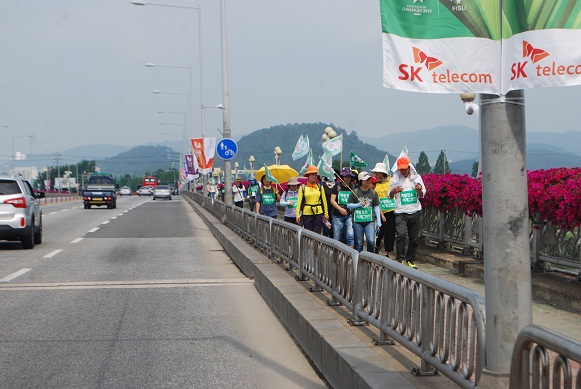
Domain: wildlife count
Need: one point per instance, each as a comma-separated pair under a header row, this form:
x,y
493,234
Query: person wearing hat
x,y
266,199
312,211
407,187
342,221
238,192
289,200
363,201
386,206
253,187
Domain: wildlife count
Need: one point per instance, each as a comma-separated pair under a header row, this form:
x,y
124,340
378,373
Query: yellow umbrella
x,y
282,173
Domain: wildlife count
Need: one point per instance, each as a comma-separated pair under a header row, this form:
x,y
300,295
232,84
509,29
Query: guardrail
x,y
440,322
542,358
549,243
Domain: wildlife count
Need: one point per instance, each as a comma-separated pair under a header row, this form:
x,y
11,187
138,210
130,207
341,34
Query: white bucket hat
x,y
380,168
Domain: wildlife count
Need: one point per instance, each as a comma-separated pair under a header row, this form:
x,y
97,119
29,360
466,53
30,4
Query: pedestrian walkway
x,y
345,354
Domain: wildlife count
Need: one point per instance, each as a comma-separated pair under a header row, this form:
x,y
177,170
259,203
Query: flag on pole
x,y
386,160
308,163
355,162
324,169
269,175
302,148
333,146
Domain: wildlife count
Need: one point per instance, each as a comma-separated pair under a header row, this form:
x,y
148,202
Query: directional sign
x,y
226,148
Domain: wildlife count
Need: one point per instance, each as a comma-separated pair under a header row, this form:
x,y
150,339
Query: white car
x,y
125,191
162,192
145,191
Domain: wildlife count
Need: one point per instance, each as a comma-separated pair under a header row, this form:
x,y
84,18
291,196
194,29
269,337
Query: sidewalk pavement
x,y
343,354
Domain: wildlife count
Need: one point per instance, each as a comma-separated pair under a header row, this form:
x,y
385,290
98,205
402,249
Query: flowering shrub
x,y
554,194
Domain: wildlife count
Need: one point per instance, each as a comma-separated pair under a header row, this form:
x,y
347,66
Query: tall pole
x,y
226,103
507,269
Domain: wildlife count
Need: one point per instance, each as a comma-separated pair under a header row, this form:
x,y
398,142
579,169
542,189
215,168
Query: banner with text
x,y
204,151
444,46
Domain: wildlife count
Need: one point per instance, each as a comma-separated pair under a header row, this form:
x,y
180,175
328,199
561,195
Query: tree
x,y
423,165
441,166
475,166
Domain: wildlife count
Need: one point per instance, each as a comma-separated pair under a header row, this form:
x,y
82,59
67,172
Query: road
x,y
141,296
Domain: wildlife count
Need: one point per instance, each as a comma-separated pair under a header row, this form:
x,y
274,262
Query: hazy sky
x,y
72,73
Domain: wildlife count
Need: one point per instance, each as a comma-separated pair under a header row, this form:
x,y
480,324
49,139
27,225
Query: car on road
x,y
162,192
20,213
125,191
145,191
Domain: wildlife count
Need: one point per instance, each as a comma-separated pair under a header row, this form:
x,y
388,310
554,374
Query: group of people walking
x,y
360,209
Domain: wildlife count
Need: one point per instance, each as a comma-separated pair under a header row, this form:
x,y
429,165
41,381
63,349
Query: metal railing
x,y
542,358
440,322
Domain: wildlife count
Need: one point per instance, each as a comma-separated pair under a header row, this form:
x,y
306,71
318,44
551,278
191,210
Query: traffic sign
x,y
226,148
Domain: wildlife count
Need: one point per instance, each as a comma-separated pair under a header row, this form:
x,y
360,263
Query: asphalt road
x,y
141,296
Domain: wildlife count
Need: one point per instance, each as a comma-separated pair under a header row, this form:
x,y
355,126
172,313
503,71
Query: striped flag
x,y
325,169
301,148
269,175
308,163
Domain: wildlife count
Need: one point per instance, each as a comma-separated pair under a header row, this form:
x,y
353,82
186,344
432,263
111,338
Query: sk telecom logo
x,y
411,72
528,51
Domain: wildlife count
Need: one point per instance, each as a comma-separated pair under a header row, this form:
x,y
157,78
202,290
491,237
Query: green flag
x,y
269,175
325,170
356,162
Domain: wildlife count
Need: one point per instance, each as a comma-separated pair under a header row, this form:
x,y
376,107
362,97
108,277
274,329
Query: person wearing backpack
x,y
266,199
289,200
253,188
313,210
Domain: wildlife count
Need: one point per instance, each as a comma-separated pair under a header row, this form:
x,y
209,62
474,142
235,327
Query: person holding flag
x,y
267,196
407,187
312,211
363,201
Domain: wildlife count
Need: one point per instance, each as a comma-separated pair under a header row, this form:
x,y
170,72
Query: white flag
x,y
333,146
404,153
302,148
308,162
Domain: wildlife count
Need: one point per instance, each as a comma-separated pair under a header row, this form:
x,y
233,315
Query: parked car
x,y
125,191
162,192
145,191
20,214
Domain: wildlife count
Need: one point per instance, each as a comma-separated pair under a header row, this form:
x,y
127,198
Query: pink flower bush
x,y
554,194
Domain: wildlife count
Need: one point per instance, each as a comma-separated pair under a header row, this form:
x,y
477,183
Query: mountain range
x,y
544,149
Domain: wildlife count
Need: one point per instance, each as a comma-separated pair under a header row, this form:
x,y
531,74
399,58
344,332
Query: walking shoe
x,y
412,264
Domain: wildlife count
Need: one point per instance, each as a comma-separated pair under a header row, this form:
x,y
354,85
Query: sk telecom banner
x,y
455,46
204,151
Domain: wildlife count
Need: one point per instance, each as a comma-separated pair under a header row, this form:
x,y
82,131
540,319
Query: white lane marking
x,y
77,240
114,217
52,213
12,276
64,210
105,222
93,229
52,253
121,214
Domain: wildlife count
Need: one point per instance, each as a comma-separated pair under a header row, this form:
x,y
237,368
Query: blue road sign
x,y
226,148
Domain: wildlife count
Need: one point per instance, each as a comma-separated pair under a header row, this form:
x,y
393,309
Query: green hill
x,y
261,144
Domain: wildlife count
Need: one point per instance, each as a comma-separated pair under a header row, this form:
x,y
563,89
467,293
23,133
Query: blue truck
x,y
101,189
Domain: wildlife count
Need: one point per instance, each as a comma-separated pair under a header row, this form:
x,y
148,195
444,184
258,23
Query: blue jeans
x,y
369,230
343,224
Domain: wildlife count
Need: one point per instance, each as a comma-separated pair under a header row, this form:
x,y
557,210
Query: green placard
x,y
408,197
294,200
362,215
268,198
386,204
343,197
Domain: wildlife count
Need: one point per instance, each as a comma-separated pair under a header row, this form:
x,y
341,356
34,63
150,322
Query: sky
x,y
72,73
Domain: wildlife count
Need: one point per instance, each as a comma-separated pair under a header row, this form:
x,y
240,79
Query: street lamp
x,y
236,169
277,154
251,160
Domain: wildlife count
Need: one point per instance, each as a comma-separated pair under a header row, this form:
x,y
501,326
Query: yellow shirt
x,y
382,190
314,204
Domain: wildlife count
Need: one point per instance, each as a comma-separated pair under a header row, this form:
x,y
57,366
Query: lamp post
x,y
236,169
251,161
277,154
